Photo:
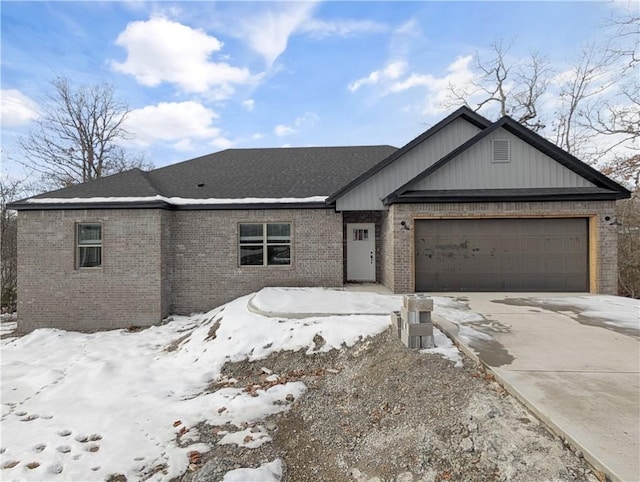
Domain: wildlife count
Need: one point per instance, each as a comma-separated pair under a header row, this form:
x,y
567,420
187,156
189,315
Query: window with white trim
x,y
264,244
88,245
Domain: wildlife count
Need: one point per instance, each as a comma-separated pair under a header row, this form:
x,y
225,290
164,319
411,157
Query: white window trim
x,y
265,244
88,245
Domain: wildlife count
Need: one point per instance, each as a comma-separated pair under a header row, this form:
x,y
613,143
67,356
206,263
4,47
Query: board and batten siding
x,y
368,195
528,168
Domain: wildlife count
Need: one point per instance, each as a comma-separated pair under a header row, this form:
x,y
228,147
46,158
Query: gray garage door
x,y
502,255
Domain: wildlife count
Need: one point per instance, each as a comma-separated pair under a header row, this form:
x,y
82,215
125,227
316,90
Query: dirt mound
x,y
380,412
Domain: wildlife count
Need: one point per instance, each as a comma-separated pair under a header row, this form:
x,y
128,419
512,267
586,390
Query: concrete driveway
x,y
579,374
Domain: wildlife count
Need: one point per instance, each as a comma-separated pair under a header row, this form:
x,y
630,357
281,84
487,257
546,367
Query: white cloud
x,y
177,122
282,130
393,79
249,104
16,109
341,28
268,27
458,75
221,143
268,31
183,145
161,50
392,71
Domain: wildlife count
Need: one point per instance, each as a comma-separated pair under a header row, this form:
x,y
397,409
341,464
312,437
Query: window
x,y
360,234
501,150
265,244
89,245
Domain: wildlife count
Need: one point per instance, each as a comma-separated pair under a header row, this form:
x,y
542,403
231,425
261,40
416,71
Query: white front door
x,y
361,252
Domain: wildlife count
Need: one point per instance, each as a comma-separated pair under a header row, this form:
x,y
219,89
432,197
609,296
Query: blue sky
x,y
203,76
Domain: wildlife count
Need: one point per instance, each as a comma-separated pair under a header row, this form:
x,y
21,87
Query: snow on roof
x,y
178,201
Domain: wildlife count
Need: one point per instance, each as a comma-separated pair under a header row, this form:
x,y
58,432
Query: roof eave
x,y
33,206
476,198
50,206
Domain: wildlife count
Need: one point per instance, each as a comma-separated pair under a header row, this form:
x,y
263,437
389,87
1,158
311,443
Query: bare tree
x,y
513,86
625,37
532,80
618,116
584,83
628,220
598,94
9,191
78,135
625,170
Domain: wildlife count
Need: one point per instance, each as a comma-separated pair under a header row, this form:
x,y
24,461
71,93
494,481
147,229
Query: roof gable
x,y
593,177
461,113
527,167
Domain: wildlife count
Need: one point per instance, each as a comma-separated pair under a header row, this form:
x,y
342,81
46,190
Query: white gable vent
x,y
501,150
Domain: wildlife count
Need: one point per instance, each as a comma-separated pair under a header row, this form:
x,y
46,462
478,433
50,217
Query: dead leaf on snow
x,y
194,457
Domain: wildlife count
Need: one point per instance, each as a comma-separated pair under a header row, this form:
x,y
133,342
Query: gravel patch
x,y
380,412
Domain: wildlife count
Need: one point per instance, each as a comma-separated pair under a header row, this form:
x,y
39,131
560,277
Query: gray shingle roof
x,y
125,184
269,173
240,173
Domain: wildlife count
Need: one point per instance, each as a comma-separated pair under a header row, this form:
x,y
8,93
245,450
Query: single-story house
x,y
469,205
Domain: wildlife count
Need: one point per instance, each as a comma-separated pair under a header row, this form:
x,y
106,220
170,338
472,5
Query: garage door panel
x,y
502,255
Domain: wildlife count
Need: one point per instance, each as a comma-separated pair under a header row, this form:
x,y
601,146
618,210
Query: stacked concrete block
x,y
415,328
396,322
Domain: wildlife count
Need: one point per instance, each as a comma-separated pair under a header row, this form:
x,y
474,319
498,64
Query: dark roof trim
x,y
506,195
32,206
563,157
534,140
463,112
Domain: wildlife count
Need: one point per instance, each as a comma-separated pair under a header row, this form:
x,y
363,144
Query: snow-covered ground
x,y
81,406
298,301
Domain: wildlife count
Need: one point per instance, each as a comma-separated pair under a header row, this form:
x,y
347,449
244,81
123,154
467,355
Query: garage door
x,y
502,255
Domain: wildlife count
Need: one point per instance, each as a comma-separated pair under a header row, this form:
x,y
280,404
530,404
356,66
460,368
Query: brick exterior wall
x,y
158,262
206,272
125,291
401,278
167,255
363,217
387,250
